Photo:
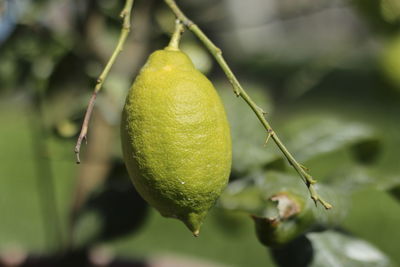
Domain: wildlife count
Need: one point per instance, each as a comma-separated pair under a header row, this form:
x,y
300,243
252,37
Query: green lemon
x,y
390,61
175,138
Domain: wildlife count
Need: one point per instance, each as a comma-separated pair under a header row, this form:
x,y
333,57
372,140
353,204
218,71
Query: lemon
x,y
390,61
175,138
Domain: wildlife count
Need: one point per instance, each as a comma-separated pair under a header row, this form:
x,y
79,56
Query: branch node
x,y
188,23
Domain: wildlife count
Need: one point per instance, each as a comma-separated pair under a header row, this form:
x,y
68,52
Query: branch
x,y
239,91
126,25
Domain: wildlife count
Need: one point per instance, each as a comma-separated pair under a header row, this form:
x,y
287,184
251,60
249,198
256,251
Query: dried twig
x,y
126,25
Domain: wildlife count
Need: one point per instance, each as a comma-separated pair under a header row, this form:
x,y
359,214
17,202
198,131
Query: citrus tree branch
x,y
126,25
240,92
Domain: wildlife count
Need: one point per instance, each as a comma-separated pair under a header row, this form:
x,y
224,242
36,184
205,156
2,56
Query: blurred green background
x,y
327,73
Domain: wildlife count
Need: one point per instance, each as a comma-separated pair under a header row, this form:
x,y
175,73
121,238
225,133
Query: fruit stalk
x,y
239,91
176,36
126,25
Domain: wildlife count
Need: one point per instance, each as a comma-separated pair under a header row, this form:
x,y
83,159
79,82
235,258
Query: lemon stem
x,y
239,91
126,26
176,36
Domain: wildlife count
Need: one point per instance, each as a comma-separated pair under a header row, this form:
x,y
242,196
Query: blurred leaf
x,y
307,136
22,220
231,223
375,216
350,179
311,136
257,195
115,210
381,14
334,248
368,151
395,191
248,135
328,249
391,10
298,252
199,55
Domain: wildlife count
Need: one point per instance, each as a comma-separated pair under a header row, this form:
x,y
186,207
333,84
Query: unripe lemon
x,y
175,138
390,61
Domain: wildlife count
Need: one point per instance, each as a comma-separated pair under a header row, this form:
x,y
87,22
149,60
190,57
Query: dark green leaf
x,y
311,136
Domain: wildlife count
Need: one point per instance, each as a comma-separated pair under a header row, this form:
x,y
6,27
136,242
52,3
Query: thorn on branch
x,y
262,111
270,133
304,168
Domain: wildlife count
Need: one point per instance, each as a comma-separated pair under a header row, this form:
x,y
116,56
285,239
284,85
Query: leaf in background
x,y
333,248
307,136
248,135
330,249
390,10
368,151
375,216
114,211
377,13
311,136
395,191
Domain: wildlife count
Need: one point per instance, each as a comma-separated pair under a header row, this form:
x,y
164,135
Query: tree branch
x,y
126,25
239,91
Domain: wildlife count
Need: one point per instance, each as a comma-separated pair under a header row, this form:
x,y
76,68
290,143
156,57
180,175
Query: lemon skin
x,y
175,138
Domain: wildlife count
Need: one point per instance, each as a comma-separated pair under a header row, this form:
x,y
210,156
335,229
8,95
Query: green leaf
x,y
114,210
367,151
306,136
395,191
330,249
315,135
337,249
375,216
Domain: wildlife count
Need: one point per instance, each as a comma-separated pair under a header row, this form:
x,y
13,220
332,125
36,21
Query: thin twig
x,y
239,91
126,25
